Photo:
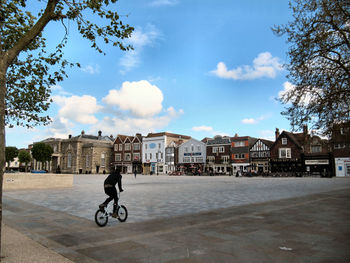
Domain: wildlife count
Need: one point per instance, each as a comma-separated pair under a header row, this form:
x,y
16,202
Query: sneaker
x,y
115,215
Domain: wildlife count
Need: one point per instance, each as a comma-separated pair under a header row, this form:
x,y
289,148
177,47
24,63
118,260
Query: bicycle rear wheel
x,y
122,213
101,218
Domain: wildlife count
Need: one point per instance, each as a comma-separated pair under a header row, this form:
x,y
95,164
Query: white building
x,y
153,151
342,167
192,155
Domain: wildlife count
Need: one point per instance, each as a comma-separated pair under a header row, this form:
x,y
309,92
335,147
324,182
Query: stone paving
x,y
312,226
153,197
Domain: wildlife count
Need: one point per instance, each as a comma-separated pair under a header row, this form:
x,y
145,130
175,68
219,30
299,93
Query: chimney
x,y
305,130
70,136
99,133
277,134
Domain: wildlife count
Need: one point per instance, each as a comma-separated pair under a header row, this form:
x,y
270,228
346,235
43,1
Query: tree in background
x,y
24,157
28,69
42,152
10,154
319,67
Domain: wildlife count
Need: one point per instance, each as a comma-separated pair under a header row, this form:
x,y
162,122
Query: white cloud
x,y
130,125
202,128
60,128
163,3
252,120
78,109
263,66
91,69
57,89
290,95
141,98
139,39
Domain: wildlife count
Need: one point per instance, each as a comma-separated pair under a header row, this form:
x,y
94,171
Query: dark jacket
x,y
113,179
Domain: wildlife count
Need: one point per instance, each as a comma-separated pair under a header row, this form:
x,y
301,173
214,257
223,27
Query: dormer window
x,y
284,141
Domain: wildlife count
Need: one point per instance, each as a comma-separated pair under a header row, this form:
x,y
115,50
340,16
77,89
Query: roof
x,y
168,134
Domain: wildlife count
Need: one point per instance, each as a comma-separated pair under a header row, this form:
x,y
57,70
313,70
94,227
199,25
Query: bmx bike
x,y
102,214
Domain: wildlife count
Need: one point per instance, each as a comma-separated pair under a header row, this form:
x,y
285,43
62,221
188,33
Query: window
x,y
192,159
145,156
103,159
186,149
161,155
316,148
225,159
127,147
120,147
239,156
69,161
115,147
187,159
156,155
136,146
136,156
211,159
221,149
198,148
118,157
128,157
284,153
146,146
159,145
150,156
339,145
239,144
199,159
215,149
87,161
284,141
192,148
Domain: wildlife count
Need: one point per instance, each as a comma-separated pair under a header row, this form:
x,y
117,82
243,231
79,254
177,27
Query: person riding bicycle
x,y
109,186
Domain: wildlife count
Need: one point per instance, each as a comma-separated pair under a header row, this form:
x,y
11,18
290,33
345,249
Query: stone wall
x,y
14,181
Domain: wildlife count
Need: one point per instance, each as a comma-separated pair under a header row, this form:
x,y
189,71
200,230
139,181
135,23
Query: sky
x,y
199,68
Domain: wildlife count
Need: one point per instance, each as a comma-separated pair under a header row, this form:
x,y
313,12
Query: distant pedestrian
x,y
237,174
135,173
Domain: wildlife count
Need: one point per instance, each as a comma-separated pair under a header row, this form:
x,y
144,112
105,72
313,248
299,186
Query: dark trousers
x,y
112,194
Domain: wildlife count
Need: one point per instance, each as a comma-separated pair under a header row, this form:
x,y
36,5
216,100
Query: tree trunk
x,y
3,68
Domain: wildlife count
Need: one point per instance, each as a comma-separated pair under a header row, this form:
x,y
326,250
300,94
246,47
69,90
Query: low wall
x,y
13,181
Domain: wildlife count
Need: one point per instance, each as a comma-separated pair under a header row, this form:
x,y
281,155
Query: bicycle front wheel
x,y
122,213
101,218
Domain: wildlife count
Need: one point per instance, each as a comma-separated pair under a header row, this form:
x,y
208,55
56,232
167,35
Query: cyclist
x,y
109,186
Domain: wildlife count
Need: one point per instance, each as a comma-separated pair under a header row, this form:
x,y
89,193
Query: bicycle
x,y
102,214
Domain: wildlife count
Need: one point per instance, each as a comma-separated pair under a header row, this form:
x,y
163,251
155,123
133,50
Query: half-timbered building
x,y
260,156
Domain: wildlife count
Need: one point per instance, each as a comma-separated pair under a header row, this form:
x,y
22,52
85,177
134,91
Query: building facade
x,y
82,154
260,156
153,151
127,152
192,156
240,153
218,155
340,144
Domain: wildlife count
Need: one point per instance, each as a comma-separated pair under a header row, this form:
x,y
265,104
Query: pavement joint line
x,y
196,225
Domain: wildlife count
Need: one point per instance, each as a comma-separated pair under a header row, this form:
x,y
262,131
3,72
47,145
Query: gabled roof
x,y
292,136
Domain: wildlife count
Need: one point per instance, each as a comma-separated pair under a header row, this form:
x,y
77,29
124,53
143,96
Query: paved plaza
x,y
153,197
191,219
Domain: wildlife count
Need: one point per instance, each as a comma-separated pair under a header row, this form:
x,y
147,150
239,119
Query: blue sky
x,y
199,68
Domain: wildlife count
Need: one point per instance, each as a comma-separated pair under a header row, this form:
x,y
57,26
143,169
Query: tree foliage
x,y
31,68
42,152
10,154
319,67
24,157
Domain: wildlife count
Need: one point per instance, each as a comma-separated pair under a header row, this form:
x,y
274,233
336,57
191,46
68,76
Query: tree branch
x,y
30,35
